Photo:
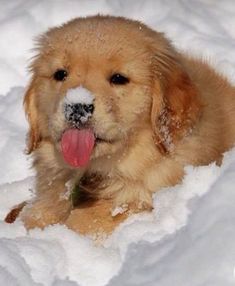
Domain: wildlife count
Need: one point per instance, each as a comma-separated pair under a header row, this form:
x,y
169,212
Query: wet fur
x,y
175,111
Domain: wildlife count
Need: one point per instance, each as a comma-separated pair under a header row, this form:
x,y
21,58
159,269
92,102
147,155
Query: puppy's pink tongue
x,y
76,146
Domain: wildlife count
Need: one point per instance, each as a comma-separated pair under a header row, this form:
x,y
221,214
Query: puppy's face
x,y
111,71
122,65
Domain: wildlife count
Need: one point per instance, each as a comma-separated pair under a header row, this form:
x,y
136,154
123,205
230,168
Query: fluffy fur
x,y
175,111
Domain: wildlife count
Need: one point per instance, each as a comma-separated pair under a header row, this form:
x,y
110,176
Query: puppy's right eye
x,y
118,79
60,75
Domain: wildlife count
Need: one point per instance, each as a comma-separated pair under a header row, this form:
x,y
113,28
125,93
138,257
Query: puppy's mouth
x,y
99,140
77,145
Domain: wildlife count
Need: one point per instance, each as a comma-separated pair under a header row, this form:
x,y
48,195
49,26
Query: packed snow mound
x,y
191,227
189,237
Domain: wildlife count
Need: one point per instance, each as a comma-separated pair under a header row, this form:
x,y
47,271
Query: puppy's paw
x,y
33,218
132,204
145,205
41,213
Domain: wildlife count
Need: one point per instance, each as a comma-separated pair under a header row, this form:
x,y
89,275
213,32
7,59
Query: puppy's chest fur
x,y
111,174
102,177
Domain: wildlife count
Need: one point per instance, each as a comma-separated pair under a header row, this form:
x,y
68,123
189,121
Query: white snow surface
x,y
79,95
189,237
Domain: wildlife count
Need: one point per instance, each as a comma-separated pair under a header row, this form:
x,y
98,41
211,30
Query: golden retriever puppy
x,y
115,114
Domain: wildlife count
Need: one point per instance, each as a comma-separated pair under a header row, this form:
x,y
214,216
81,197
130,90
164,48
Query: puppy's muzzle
x,y
78,113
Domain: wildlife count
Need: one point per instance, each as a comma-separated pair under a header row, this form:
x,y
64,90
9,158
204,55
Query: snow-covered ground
x,y
189,238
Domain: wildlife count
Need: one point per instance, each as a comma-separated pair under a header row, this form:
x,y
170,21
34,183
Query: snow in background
x,y
189,237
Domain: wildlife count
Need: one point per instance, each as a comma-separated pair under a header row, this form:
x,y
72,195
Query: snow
x,y
189,237
200,253
119,210
74,102
79,95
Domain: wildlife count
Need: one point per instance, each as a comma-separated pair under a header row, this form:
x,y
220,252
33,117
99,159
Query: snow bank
x,y
189,237
13,128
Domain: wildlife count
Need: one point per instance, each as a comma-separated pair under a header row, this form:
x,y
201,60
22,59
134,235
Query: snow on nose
x,y
79,95
78,105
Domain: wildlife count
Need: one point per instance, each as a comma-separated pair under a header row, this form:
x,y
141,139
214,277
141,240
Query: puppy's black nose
x,y
78,113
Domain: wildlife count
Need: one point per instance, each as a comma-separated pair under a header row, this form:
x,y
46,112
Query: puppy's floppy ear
x,y
34,136
175,102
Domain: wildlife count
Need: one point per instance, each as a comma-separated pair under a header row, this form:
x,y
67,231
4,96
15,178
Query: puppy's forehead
x,y
97,37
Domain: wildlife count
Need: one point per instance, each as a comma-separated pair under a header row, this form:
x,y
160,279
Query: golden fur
x,y
175,111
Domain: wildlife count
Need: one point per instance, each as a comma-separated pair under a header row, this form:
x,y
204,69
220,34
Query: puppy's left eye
x,y
118,79
60,75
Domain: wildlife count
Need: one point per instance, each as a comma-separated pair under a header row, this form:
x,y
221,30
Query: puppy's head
x,y
113,77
